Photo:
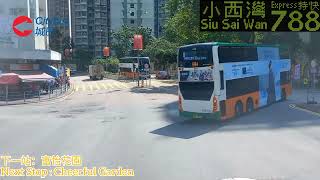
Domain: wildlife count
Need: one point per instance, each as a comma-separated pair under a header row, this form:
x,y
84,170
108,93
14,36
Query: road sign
x,y
305,81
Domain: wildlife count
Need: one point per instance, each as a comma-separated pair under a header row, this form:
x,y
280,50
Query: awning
x,y
34,76
9,79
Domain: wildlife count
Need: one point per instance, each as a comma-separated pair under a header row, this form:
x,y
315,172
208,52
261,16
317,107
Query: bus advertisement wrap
x,y
199,74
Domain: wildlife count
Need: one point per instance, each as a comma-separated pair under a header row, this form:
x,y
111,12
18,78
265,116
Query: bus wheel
x,y
283,95
239,108
250,107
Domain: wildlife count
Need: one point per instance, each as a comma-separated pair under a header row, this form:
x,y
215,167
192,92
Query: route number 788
x,y
295,17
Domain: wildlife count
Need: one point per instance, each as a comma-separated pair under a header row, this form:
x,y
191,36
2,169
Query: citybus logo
x,y
19,20
43,25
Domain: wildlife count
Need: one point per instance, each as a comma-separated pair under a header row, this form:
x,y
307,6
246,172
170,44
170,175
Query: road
x,y
140,129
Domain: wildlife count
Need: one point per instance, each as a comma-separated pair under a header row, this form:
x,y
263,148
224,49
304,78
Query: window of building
x,y
131,13
131,5
132,21
83,13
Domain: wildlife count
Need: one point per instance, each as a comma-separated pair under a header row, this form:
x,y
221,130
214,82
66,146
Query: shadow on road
x,y
276,117
173,89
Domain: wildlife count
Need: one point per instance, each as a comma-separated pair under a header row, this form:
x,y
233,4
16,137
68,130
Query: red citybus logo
x,y
19,20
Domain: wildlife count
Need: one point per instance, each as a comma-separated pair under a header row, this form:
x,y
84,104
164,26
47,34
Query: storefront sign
x,y
24,67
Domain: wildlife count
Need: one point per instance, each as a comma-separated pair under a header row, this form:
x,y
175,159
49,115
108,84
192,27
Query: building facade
x,y
159,17
91,25
133,13
18,52
59,9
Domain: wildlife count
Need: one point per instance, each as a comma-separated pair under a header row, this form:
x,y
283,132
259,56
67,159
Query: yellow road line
x,y
123,85
104,86
77,87
91,87
117,84
110,85
97,86
83,87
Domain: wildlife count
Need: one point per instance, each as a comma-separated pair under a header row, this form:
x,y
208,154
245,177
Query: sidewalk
x,y
36,98
299,97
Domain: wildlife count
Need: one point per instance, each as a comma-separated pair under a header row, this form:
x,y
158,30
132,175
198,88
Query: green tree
x,y
313,48
182,26
162,52
123,39
101,61
112,64
287,40
82,57
56,38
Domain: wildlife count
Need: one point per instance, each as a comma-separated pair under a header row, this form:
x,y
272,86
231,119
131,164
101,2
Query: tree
x,y
162,52
287,40
182,26
101,61
82,57
123,39
56,40
112,64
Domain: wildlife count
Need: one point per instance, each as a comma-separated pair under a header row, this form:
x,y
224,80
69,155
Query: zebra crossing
x,y
97,86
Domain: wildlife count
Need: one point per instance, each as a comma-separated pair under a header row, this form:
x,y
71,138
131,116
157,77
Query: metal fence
x,y
8,96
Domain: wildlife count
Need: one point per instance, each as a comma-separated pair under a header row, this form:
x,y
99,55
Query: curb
x,y
294,106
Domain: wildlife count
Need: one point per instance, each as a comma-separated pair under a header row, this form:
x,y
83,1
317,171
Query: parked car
x,y
162,75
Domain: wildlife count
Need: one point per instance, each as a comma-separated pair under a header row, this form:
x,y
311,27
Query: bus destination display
x,y
263,15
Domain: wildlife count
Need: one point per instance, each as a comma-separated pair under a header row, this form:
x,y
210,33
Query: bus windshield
x,y
195,56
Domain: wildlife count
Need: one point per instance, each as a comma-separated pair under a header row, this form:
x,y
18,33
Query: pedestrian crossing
x,y
98,86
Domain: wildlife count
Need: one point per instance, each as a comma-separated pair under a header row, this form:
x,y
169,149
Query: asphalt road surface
x,y
140,129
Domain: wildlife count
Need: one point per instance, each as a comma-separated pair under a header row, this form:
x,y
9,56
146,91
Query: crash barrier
x,y
8,96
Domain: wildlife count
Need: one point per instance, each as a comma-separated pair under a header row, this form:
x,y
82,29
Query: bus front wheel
x,y
239,108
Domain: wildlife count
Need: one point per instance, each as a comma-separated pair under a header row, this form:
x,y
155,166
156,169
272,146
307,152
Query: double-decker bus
x,y
130,67
225,80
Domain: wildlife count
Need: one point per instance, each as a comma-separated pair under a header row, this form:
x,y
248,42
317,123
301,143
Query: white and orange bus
x,y
130,67
225,80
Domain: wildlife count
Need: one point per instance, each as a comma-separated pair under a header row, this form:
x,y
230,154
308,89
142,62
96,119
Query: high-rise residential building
x,y
133,13
91,25
59,9
159,17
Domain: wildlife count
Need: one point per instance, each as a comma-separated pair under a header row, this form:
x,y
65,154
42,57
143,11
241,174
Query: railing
x,y
30,96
